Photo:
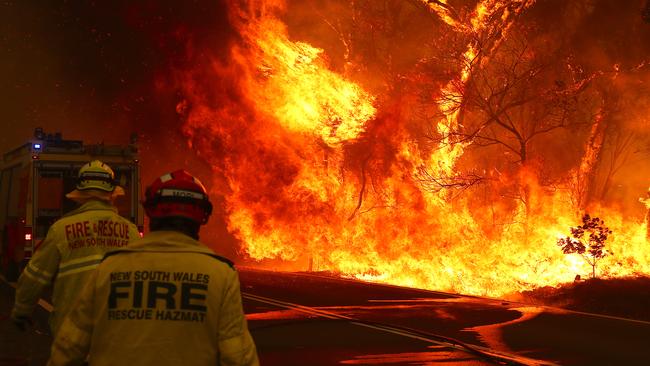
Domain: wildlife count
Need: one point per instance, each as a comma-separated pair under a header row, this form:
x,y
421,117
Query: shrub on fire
x,y
588,240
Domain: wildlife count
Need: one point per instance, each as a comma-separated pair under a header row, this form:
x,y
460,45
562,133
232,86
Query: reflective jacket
x,y
166,299
73,246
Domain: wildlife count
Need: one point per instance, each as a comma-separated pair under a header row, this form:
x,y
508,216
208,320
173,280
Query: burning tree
x,y
588,240
616,137
646,202
317,122
521,96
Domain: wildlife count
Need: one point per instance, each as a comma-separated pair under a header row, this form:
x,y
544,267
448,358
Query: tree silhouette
x,y
588,240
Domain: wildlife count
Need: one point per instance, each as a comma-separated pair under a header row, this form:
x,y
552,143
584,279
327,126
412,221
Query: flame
x,y
317,175
293,85
442,9
444,161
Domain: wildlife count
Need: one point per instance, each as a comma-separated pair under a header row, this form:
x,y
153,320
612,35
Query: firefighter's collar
x,y
169,240
93,204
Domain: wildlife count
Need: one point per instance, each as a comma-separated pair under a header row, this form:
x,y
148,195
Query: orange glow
x,y
293,86
319,172
441,8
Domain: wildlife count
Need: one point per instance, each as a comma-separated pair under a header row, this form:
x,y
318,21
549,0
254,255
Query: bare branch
x,y
434,183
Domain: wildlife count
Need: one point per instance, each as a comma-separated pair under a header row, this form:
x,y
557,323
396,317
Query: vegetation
x,y
588,240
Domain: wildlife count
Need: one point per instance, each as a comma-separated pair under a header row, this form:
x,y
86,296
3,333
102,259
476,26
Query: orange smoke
x,y
316,172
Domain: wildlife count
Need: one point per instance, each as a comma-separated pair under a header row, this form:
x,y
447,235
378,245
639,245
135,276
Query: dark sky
x,y
99,70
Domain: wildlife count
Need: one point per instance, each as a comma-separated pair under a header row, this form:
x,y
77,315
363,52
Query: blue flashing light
x,y
37,146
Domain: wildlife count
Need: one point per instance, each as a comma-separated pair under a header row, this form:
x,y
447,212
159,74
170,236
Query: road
x,y
309,319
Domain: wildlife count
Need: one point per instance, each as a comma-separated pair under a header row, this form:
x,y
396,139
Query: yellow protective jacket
x,y
166,299
73,246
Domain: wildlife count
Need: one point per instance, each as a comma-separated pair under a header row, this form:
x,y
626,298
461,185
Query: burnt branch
x,y
510,99
436,183
362,190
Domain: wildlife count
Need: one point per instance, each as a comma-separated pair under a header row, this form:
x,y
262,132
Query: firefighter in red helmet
x,y
166,299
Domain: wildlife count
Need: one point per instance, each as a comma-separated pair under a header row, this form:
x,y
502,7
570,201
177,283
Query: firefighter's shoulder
x,y
225,260
114,252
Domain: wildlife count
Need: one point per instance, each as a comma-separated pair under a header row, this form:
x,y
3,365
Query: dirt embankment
x,y
624,297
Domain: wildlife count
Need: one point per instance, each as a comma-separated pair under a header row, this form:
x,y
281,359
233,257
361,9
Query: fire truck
x,y
34,179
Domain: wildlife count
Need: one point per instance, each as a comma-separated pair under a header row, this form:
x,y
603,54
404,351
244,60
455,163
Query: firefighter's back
x,y
82,238
166,300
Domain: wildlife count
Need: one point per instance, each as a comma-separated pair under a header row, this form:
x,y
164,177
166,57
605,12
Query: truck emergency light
x,y
28,234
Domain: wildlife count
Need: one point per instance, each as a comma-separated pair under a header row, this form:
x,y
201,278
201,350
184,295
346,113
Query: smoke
x,y
100,70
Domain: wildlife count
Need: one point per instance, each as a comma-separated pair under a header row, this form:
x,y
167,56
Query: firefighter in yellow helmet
x,y
166,299
74,245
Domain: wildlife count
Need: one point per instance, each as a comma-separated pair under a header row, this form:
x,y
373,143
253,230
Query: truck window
x,y
50,194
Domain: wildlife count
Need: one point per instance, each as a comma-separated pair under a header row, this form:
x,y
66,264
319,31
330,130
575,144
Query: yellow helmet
x,y
96,175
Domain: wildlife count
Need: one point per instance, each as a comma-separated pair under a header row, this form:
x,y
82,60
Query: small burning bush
x,y
588,240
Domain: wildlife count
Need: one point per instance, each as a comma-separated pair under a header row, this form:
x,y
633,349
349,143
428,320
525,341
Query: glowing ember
x,y
322,170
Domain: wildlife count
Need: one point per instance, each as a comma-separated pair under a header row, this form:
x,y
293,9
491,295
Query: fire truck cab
x,y
34,179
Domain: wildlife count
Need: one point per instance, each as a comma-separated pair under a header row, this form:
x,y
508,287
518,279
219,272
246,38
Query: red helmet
x,y
178,194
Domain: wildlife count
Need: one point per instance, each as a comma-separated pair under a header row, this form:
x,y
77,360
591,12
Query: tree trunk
x,y
590,159
523,154
606,186
593,271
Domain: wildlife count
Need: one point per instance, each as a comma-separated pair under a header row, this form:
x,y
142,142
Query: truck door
x,y
13,194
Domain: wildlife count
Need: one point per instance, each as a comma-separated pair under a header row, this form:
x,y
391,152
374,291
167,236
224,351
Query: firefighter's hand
x,y
22,322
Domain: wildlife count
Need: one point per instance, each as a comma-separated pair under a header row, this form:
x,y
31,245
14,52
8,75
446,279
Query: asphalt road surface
x,y
312,320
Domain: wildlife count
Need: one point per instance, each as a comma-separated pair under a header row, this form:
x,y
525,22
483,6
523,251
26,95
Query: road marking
x,y
511,303
613,317
455,344
359,281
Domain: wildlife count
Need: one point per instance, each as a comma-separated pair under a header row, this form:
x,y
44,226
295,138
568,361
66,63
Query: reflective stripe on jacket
x,y
73,247
165,300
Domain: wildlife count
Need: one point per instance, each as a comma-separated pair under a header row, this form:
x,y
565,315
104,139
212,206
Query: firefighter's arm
x,y
72,342
134,233
236,346
36,276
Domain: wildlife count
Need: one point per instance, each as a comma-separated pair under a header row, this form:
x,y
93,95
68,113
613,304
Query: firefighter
x,y
74,245
166,299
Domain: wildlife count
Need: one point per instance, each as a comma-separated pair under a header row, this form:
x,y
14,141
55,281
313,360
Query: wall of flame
x,y
319,171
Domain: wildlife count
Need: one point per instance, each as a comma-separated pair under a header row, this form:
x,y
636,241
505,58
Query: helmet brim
x,y
88,194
